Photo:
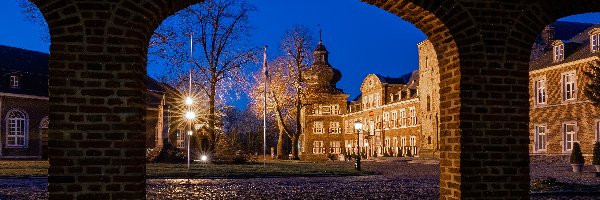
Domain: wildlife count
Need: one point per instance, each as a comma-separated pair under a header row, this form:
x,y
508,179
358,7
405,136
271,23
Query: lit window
x,y
318,128
336,147
569,135
403,117
318,147
334,127
540,138
559,53
394,118
17,129
568,83
14,81
413,116
540,91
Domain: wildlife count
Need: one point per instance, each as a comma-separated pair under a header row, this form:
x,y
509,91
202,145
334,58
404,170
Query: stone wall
x,y
429,99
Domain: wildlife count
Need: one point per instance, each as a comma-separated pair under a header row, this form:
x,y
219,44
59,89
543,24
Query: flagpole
x,y
265,107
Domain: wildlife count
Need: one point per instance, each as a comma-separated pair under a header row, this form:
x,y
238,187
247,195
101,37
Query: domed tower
x,y
321,77
322,108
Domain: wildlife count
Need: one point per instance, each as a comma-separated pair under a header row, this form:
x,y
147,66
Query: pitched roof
x,y
577,47
30,66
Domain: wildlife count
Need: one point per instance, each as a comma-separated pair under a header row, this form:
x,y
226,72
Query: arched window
x,y
16,128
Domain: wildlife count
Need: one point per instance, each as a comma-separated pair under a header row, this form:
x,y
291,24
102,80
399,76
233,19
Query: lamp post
x,y
358,128
189,116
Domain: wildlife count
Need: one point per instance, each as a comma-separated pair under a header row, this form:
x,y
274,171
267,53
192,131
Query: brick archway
x,y
98,63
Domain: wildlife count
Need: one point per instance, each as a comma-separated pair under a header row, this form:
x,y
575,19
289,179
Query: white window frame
x,y
14,80
318,147
595,42
559,52
540,91
386,120
318,127
413,116
17,129
538,133
403,117
413,141
335,146
565,135
335,109
334,128
571,93
394,118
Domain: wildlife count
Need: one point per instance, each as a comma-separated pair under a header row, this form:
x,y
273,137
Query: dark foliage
x,y
596,159
576,155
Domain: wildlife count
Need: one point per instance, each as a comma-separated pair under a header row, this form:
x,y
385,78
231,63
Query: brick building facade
x,y
390,109
24,107
23,103
560,113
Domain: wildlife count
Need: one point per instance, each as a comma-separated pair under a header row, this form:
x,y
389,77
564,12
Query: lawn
x,y
270,169
23,168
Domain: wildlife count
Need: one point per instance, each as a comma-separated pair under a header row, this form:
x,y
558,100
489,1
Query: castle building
x,y
400,116
560,113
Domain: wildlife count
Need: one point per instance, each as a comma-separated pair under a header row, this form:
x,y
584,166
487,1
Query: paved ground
x,y
398,180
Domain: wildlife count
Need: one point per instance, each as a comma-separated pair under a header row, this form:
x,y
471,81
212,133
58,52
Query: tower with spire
x,y
323,106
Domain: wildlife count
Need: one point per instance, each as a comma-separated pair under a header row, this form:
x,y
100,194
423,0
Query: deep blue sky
x,y
361,38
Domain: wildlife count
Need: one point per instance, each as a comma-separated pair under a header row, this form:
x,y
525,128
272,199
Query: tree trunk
x,y
295,148
212,142
280,150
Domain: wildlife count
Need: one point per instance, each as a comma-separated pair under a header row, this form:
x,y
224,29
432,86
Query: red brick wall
x,y
97,67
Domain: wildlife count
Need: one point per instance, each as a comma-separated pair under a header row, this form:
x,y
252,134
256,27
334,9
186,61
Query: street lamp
x,y
358,127
189,116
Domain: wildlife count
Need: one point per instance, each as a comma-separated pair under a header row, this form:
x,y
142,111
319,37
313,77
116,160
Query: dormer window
x,y
595,39
559,50
14,81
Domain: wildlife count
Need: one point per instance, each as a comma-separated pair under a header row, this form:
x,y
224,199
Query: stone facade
x,y
390,109
429,99
560,113
322,107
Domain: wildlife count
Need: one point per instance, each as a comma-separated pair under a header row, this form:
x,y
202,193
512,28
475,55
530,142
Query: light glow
x,y
358,125
190,115
204,158
189,101
190,133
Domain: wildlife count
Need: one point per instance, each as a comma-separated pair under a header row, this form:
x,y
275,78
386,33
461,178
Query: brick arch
x,y
98,62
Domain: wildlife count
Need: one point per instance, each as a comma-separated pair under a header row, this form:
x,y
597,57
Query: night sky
x,y
361,38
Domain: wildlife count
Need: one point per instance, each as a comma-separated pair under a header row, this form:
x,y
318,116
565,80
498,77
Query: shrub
x,y
596,159
331,156
386,154
576,155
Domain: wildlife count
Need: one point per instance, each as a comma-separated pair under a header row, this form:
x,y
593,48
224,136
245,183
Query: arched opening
x,y
562,54
483,94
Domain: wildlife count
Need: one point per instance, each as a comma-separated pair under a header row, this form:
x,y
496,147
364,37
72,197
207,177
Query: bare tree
x,y
280,99
221,27
296,45
286,85
34,15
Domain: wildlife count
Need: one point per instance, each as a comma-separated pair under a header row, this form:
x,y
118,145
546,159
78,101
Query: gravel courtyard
x,y
395,180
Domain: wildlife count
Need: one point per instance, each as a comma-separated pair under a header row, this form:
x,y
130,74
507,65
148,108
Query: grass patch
x,y
551,185
256,170
23,168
